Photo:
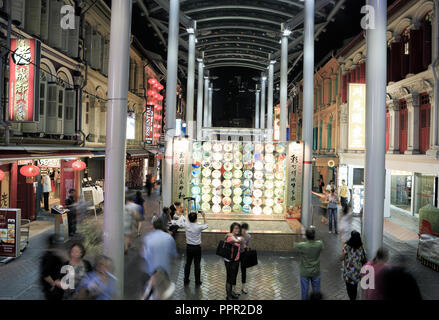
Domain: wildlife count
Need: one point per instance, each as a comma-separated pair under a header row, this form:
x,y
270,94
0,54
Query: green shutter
x,y
320,135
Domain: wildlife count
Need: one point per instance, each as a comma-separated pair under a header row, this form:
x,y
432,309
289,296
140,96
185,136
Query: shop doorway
x,y
25,197
424,127
403,126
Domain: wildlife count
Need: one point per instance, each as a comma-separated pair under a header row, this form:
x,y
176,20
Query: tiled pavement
x,y
276,276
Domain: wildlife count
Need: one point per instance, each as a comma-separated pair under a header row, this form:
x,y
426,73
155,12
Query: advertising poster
x,y
24,80
357,116
10,220
295,174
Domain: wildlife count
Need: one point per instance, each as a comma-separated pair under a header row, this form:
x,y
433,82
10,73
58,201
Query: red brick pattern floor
x,y
399,232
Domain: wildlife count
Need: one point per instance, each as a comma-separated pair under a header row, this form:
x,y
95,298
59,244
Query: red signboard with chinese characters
x,y
10,220
293,127
149,124
24,80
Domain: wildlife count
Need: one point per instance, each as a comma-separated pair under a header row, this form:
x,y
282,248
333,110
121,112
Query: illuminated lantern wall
x,y
155,102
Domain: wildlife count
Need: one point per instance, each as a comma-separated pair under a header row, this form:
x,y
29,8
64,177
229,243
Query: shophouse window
x,y
87,109
401,189
424,185
60,102
426,29
405,65
42,97
330,90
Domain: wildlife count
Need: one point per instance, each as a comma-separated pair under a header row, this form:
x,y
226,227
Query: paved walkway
x,y
276,276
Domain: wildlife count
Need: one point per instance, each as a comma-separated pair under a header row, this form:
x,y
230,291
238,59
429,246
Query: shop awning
x,y
31,154
138,153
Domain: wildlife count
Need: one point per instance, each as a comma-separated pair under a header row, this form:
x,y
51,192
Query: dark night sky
x,y
229,102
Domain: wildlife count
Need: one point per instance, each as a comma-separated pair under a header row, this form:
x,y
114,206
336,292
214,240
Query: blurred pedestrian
x,y
344,193
158,249
321,184
166,216
149,184
80,266
70,204
178,217
141,203
51,264
397,283
100,284
232,265
131,220
309,252
176,208
245,246
159,287
353,257
378,263
346,226
193,246
332,210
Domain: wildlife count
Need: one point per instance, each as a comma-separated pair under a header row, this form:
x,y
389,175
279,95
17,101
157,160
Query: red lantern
x,y
160,87
78,165
160,97
30,171
156,95
152,81
150,93
2,175
159,156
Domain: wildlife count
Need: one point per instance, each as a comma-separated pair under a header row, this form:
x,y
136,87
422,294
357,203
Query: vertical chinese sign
x,y
357,116
149,124
293,127
276,124
24,80
10,224
295,174
180,169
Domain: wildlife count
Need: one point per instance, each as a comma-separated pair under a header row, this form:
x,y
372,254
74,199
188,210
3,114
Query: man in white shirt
x,y
193,249
47,188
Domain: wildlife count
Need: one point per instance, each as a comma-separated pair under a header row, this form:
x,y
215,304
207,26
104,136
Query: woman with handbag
x,y
245,246
232,264
353,257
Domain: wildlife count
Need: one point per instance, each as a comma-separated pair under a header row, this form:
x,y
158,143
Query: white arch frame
x,y
68,74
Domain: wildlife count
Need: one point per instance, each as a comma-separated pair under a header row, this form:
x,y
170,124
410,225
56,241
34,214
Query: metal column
x,y
171,99
190,84
308,110
258,105
375,172
115,159
263,99
284,85
209,115
270,101
200,98
206,102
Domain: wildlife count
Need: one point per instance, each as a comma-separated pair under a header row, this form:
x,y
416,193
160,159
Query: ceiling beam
x,y
238,7
256,44
231,54
238,27
237,35
235,64
184,20
237,49
222,18
259,63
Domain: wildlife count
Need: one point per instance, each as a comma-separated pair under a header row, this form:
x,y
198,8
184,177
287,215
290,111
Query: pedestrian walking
x,y
100,284
232,265
159,287
344,193
377,264
141,203
149,184
353,257
346,226
332,211
321,184
309,252
80,267
193,246
158,249
245,246
132,217
47,188
51,264
70,204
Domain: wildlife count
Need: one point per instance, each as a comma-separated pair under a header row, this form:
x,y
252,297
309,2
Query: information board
x,y
10,236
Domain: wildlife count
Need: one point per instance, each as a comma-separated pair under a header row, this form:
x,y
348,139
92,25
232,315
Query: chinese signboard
x,y
24,80
180,169
357,116
149,124
10,220
293,126
4,188
49,163
295,172
131,127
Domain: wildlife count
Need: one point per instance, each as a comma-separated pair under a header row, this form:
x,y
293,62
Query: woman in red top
x,y
232,266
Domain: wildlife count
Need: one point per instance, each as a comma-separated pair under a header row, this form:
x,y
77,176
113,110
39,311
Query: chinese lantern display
x,y
78,165
155,98
2,175
30,171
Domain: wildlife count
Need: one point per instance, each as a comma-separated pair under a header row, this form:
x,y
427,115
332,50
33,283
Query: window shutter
x,y
105,57
96,51
69,113
18,8
52,108
44,23
55,31
33,17
88,48
73,43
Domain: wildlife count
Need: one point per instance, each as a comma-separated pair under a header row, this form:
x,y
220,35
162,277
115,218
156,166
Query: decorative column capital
x,y
412,100
393,104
